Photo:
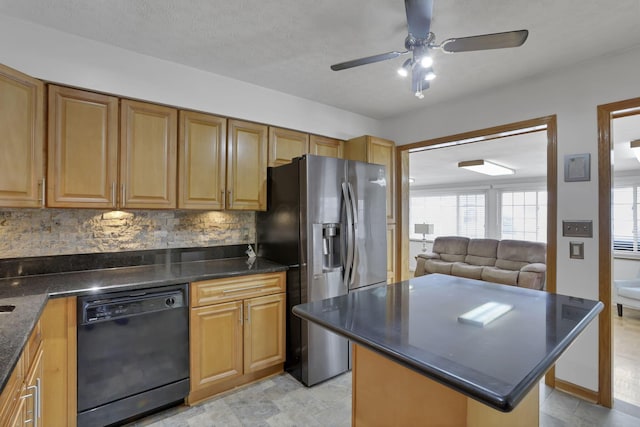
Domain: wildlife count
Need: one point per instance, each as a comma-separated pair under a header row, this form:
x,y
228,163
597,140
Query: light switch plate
x,y
577,228
576,250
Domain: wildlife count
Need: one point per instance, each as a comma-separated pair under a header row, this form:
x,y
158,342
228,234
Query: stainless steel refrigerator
x,y
326,221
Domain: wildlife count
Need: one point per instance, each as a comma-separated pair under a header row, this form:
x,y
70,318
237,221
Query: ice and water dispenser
x,y
326,248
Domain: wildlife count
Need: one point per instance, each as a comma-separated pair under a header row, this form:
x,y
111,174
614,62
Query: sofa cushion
x,y
451,248
461,269
482,252
498,275
437,266
515,254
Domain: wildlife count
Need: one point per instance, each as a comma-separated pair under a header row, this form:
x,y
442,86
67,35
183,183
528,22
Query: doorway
x,y
606,115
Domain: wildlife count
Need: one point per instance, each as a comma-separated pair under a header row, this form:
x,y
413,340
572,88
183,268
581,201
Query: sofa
x,y
627,293
509,262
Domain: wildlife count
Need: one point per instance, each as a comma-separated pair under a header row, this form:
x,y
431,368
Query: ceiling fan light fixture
x,y
426,61
486,167
430,75
404,70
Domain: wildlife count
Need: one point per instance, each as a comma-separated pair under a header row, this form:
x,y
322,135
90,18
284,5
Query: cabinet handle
x,y
113,194
123,193
228,291
43,192
38,401
36,410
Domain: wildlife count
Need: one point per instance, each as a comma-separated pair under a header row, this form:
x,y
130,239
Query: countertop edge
x,y
38,300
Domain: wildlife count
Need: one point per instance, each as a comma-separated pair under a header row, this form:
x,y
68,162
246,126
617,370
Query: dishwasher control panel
x,y
114,306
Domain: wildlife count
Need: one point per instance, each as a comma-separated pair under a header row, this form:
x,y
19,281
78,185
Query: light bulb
x,y
426,61
403,72
430,76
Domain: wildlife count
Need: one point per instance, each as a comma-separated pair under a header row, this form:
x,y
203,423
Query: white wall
x,y
572,94
66,59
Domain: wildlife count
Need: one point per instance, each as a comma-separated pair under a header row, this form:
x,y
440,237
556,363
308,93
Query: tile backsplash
x,y
43,232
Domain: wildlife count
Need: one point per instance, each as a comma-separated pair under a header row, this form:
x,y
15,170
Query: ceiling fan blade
x,y
485,41
366,60
419,17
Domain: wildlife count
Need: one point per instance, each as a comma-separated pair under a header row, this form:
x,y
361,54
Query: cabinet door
x,y
391,253
17,417
83,149
148,138
247,166
34,383
264,339
285,145
216,344
323,146
202,161
382,152
21,140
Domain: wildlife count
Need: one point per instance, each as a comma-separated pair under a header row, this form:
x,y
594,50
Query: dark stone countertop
x,y
415,323
29,294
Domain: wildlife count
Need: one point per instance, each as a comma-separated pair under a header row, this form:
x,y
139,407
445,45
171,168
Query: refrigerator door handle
x,y
348,267
354,214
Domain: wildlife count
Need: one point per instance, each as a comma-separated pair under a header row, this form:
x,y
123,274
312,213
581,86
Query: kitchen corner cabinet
x,y
41,390
247,166
379,151
285,145
202,161
148,147
21,140
83,149
236,333
328,147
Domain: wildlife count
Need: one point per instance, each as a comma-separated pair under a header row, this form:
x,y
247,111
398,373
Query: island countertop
x,y
415,323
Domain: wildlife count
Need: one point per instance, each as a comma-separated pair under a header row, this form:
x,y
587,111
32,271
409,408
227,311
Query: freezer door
x,y
367,188
324,354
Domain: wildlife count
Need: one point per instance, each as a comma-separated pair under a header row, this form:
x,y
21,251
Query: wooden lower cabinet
x,y
41,389
236,342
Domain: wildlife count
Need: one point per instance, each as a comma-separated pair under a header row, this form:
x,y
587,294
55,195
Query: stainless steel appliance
x,y
325,220
133,353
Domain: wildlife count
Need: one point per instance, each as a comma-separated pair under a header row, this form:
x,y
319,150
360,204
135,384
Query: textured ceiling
x,y
288,45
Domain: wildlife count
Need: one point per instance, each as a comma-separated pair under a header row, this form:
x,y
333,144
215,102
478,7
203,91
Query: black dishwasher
x,y
133,353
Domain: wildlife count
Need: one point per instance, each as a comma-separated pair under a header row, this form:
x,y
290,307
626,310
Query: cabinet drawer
x,y
12,390
31,348
235,288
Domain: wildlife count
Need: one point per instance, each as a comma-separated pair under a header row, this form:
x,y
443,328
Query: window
x,y
625,218
451,214
523,215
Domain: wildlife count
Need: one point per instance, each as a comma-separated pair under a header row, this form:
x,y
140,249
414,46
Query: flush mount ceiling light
x,y
486,167
635,147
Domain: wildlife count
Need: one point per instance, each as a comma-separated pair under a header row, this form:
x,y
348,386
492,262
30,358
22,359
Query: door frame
x,y
606,114
402,189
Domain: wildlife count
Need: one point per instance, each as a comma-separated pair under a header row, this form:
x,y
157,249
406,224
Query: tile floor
x,y
283,401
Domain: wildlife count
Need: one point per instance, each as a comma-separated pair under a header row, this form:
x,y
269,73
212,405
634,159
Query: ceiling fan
x,y
420,40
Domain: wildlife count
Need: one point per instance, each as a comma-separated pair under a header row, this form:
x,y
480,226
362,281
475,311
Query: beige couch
x,y
510,262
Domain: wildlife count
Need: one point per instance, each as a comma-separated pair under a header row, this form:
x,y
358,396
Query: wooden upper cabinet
x,y
202,161
148,146
328,147
379,151
83,149
21,139
247,166
285,145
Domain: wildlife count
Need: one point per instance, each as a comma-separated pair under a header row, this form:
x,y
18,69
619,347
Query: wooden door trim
x,y
402,187
606,113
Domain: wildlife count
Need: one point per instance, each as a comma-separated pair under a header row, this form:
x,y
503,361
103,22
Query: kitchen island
x,y
416,363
